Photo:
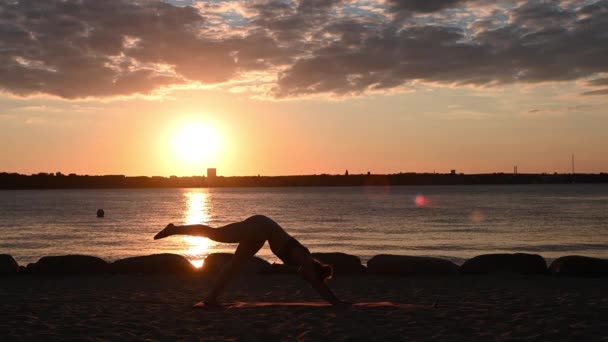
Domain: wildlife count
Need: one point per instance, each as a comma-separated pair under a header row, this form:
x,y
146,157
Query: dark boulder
x,y
8,265
342,263
68,265
579,266
410,265
518,263
215,262
153,264
283,269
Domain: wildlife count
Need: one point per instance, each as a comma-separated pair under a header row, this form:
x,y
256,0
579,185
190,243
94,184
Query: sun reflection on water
x,y
198,208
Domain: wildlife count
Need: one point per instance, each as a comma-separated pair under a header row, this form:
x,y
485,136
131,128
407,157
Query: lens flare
x,y
477,216
420,201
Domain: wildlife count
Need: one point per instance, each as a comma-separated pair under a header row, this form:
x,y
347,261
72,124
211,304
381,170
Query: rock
x,y
153,264
69,265
341,262
283,269
519,263
215,263
581,266
8,265
410,265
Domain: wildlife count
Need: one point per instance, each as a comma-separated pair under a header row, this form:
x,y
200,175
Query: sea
x,y
452,222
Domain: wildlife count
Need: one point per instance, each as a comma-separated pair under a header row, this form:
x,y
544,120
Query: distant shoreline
x,y
15,181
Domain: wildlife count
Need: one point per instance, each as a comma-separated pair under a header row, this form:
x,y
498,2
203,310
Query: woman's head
x,y
322,271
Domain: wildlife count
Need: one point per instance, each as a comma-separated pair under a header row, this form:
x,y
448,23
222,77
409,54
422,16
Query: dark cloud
x,y
311,6
116,47
542,15
82,48
422,6
599,7
291,23
539,43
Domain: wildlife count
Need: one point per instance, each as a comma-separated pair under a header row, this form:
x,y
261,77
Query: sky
x,y
303,87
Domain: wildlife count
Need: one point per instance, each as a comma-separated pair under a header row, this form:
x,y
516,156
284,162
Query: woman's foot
x,y
207,305
168,231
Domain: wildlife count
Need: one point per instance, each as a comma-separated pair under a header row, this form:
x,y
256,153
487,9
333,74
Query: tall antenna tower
x,y
573,176
573,164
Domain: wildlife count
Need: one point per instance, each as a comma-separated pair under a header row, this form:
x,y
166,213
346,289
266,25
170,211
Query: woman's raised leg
x,y
231,233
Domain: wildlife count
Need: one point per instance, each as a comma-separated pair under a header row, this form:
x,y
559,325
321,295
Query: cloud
x,y
599,82
95,48
91,48
537,44
422,6
597,92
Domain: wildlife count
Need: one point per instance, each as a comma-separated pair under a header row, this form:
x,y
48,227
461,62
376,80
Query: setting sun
x,y
191,145
196,142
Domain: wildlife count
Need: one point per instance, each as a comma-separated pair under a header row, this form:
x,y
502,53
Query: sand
x,y
282,307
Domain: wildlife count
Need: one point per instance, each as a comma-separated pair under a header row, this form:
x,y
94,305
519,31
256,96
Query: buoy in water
x,y
100,213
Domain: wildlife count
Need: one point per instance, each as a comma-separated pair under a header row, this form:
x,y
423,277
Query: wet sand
x,y
282,307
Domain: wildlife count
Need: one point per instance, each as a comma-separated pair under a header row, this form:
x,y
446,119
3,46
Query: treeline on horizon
x,y
73,181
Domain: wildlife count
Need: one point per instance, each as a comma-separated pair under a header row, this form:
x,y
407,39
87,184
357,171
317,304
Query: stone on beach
x,y
153,264
342,263
518,263
410,265
575,265
8,265
216,261
69,265
283,269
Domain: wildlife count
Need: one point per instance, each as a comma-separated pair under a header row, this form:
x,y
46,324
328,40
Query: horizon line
x,y
61,174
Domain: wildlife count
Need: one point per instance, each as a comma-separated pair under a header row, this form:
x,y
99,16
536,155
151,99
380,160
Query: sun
x,y
196,143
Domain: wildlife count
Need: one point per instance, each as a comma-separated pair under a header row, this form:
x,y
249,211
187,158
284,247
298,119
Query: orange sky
x,y
420,132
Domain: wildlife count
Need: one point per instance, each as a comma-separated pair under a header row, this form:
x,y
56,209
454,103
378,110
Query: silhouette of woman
x,y
251,234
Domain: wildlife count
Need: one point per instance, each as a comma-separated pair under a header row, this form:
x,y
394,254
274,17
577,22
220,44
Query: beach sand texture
x,y
136,307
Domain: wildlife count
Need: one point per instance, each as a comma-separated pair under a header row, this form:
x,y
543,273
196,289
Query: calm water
x,y
452,222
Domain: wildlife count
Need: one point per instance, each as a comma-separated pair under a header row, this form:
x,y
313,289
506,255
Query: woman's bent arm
x,y
325,292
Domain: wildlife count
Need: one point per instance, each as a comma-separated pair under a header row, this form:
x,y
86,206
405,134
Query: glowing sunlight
x,y
197,213
195,145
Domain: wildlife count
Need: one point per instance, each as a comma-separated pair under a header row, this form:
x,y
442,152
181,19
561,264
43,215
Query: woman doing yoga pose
x,y
251,234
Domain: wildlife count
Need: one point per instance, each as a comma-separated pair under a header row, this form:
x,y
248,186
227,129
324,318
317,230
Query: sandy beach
x,y
282,307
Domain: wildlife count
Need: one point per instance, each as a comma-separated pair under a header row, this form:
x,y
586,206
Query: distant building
x,y
211,173
346,173
453,172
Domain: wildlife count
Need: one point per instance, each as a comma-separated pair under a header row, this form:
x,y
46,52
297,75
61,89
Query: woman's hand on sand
x,y
168,231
